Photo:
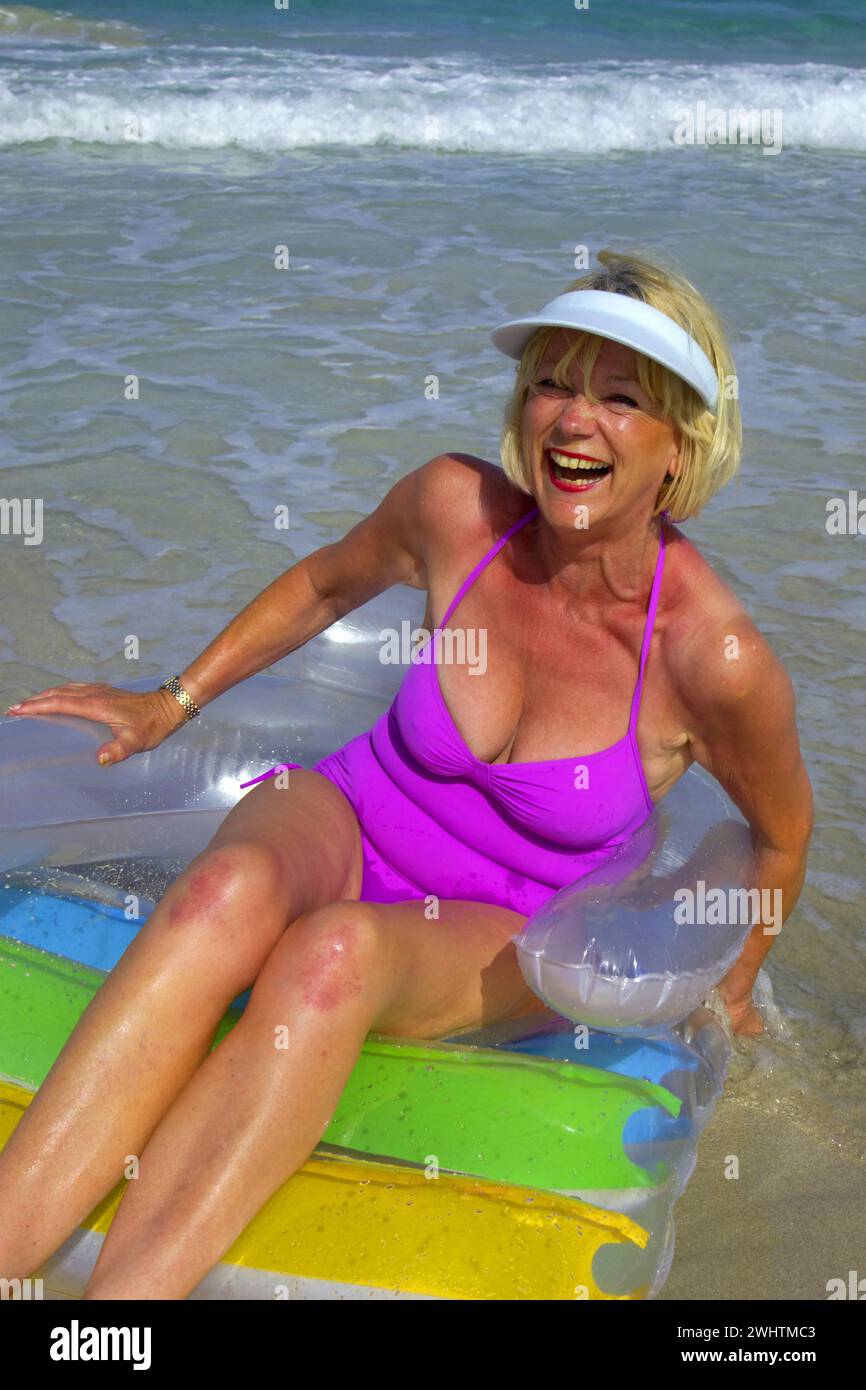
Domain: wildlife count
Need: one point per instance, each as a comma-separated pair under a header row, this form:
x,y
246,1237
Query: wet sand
x,y
794,1219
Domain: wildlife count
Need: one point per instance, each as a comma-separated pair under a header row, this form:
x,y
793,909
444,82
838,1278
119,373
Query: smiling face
x,y
611,456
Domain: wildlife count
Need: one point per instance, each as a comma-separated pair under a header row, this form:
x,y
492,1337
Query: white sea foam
x,y
267,104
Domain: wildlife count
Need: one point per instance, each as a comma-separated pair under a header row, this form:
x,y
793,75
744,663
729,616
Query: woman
x,y
381,890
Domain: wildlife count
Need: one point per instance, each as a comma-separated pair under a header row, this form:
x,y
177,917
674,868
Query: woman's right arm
x,y
379,551
387,547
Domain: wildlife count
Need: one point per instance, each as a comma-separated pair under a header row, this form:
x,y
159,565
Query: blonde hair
x,y
710,444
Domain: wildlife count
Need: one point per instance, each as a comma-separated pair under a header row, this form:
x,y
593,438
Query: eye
x,y
628,399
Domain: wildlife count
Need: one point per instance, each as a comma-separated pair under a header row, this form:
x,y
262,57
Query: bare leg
x,y
279,853
339,972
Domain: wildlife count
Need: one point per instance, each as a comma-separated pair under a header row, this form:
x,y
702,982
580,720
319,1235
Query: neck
x,y
599,564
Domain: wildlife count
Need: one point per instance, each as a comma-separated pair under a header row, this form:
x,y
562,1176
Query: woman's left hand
x,y
745,1019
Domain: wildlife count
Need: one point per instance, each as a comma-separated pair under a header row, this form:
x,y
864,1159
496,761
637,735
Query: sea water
x,y
252,255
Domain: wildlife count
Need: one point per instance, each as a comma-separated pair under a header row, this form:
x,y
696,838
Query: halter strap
x,y
651,607
485,561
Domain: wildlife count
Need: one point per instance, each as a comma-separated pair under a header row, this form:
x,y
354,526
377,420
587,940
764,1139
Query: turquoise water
x,y
431,169
508,78
510,31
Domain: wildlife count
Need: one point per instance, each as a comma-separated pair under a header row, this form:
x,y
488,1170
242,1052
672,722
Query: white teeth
x,y
564,461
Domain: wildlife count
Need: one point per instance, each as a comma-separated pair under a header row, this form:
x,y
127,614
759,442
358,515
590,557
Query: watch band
x,y
186,701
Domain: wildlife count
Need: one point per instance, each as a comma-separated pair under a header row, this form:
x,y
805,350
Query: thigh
x,y
312,831
456,972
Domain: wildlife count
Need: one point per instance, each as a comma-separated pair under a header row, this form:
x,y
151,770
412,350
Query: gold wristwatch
x,y
186,701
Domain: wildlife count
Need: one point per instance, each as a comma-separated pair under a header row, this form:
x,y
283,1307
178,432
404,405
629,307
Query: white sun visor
x,y
623,320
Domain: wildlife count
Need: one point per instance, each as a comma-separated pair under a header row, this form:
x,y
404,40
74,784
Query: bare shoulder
x,y
420,534
738,703
461,503
715,654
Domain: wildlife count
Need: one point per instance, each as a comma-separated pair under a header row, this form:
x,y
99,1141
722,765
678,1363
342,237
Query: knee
x,y
332,955
228,889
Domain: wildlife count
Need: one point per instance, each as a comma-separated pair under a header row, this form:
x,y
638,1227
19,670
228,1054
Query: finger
x,y
749,1024
124,744
82,705
51,694
113,752
49,690
36,703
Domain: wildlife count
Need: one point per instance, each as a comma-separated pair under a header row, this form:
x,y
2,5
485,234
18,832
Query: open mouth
x,y
575,472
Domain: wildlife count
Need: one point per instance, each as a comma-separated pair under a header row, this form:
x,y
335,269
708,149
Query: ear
x,y
675,462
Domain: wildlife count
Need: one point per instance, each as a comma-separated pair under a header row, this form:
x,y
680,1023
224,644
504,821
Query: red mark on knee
x,y
329,975
207,890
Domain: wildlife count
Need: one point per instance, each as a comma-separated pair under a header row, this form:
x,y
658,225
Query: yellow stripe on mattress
x,y
375,1225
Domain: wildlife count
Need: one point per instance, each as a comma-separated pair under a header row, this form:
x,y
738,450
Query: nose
x,y
577,415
